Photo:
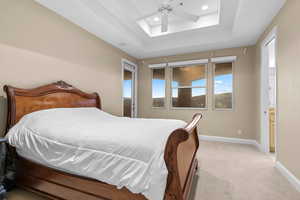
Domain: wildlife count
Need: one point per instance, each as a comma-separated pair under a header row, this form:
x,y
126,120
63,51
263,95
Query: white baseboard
x,y
259,146
289,175
230,140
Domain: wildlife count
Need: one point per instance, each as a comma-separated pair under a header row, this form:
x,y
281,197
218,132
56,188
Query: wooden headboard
x,y
55,95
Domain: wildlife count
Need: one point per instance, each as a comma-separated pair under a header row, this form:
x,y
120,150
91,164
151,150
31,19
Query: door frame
x,y
135,88
264,91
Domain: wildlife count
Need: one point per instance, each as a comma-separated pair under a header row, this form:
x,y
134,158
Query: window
x,y
158,87
223,86
189,86
127,93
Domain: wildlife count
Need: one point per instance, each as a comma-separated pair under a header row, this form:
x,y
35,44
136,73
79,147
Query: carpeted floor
x,y
227,172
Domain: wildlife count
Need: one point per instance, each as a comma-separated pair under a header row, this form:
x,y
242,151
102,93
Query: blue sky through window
x,y
200,82
158,88
127,88
174,83
198,92
223,84
175,93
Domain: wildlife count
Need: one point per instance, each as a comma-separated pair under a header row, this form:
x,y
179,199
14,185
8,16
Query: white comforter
x,y
89,142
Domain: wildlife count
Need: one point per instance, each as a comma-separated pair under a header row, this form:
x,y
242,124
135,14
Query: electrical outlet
x,y
240,132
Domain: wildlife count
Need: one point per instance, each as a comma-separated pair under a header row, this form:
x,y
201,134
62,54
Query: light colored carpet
x,y
227,172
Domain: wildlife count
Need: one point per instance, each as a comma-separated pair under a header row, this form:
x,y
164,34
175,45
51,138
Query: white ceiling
x,y
115,21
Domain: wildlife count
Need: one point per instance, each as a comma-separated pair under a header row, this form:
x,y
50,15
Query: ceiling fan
x,y
174,7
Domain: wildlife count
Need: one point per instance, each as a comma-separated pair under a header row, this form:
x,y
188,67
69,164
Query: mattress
x,y
125,152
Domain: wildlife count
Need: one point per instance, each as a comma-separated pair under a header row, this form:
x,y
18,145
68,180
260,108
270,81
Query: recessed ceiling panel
x,y
181,16
135,26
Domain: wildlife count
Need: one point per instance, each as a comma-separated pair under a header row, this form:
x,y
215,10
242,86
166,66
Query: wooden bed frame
x,y
179,154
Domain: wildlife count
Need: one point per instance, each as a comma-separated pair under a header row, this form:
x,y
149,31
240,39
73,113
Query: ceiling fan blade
x,y
185,15
164,22
172,3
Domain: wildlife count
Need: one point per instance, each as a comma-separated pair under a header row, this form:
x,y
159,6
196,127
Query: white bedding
x,y
89,142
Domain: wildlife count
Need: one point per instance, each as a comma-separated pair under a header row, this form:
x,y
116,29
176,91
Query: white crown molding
x,y
289,175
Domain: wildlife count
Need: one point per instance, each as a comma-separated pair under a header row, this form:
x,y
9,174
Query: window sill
x,y
224,109
188,108
159,107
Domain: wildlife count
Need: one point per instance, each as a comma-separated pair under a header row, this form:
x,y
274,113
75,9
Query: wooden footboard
x,y
180,151
180,157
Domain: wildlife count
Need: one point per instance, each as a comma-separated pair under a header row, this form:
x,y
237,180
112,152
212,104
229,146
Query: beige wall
x,y
288,70
37,47
215,123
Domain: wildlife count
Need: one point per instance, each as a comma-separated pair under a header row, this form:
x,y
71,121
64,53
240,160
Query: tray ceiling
x,y
240,23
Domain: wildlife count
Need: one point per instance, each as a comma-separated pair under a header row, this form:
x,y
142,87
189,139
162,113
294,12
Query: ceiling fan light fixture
x,y
164,11
156,19
204,7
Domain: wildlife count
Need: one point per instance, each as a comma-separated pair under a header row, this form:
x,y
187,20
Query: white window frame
x,y
159,66
135,71
173,65
218,60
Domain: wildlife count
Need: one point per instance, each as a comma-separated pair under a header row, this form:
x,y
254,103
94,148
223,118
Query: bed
x,y
179,153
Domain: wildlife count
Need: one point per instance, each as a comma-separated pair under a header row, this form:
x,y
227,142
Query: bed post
x,y
181,171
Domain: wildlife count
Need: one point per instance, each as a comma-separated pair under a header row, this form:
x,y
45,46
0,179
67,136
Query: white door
x,y
129,89
266,54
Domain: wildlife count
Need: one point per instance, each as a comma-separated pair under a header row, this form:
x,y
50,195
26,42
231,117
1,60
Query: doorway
x,y
129,81
269,94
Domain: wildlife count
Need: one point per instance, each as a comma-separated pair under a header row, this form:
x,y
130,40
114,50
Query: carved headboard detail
x,y
55,95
